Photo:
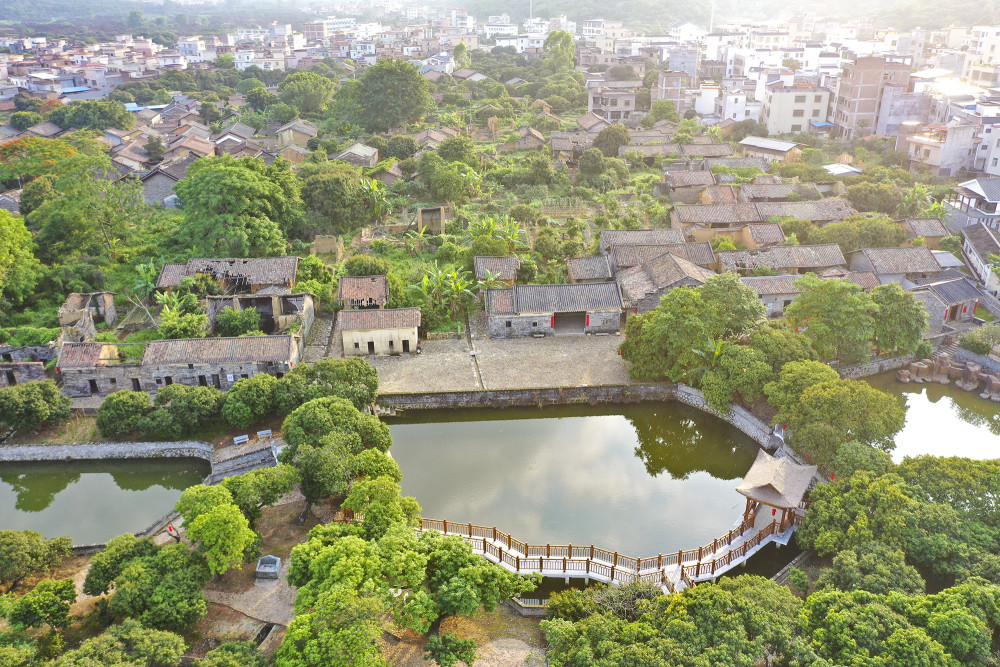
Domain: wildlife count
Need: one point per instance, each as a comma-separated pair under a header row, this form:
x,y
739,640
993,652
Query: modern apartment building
x,y
856,110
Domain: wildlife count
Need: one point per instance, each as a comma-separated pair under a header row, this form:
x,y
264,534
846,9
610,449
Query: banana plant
x,y
709,354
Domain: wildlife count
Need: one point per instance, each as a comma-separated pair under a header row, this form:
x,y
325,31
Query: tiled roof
x,y
984,241
769,285
706,150
360,150
777,191
80,355
926,227
218,350
901,260
45,129
258,271
720,194
731,214
299,125
821,210
566,298
590,268
389,318
866,280
499,302
766,233
761,163
696,253
688,179
782,257
610,237
368,289
503,267
668,269
955,291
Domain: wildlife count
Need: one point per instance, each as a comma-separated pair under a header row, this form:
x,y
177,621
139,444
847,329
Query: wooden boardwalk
x,y
672,572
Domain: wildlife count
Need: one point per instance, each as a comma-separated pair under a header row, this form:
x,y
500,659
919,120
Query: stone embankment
x,y
739,417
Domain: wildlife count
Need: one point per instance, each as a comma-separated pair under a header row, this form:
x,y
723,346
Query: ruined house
x,y
81,313
235,276
360,292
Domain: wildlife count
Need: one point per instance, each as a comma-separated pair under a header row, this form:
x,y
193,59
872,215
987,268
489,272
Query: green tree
x,y
780,345
827,415
121,412
155,148
334,198
22,120
260,99
794,378
352,379
307,91
224,535
875,568
611,138
238,207
19,270
900,320
447,649
175,324
47,603
230,322
859,231
93,115
661,110
162,590
323,470
741,371
106,565
180,411
24,553
249,400
33,405
127,644
662,342
734,309
342,629
367,265
253,491
391,93
461,55
560,50
837,315
402,147
382,505
372,463
877,197
459,149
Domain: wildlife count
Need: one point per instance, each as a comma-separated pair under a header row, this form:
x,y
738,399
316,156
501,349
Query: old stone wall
x,y
89,451
989,365
150,378
41,353
739,417
519,326
21,372
874,368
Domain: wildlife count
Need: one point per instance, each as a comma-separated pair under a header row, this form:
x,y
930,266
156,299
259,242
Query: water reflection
x,y
92,501
579,475
943,420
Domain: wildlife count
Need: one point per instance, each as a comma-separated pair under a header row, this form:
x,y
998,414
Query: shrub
x,y
21,336
353,379
366,265
981,340
249,400
180,410
121,412
234,323
33,405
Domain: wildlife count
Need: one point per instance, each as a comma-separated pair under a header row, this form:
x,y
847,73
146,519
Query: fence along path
x,y
671,572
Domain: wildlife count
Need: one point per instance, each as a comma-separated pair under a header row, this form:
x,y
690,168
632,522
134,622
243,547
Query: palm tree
x,y
710,355
491,281
373,192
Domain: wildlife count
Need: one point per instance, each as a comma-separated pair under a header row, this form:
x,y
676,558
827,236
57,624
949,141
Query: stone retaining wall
x,y
876,367
739,417
89,451
988,364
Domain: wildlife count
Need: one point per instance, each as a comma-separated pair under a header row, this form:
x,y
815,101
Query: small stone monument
x,y
268,567
970,376
903,375
992,388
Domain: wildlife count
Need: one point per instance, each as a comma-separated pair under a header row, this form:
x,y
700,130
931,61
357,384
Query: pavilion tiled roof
x,y
387,318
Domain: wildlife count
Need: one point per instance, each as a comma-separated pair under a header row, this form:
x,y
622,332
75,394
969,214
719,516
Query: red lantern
x,y
774,512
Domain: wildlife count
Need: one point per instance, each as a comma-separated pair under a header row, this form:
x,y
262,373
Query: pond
x,y
943,420
93,501
640,479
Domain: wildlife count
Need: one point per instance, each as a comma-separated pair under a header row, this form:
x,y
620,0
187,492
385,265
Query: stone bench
x,y
264,434
241,439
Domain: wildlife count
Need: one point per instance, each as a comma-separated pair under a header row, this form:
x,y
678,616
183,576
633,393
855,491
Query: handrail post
x,y
591,551
548,550
445,522
616,559
659,562
564,566
494,533
517,563
470,530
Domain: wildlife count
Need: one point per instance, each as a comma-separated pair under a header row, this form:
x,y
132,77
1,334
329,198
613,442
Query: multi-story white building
x,y
790,110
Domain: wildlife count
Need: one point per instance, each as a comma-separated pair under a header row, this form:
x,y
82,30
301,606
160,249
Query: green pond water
x,y
943,420
642,480
92,501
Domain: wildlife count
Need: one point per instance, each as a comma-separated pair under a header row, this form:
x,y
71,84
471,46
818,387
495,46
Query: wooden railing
x,y
578,560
